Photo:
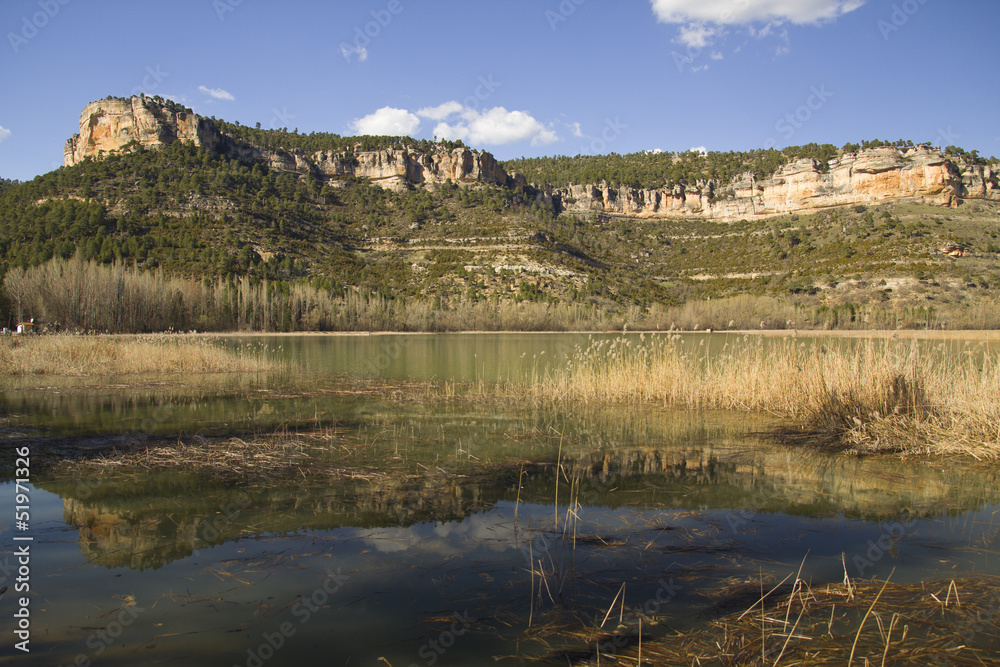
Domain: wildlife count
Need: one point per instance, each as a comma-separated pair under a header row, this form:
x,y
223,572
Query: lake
x,y
457,532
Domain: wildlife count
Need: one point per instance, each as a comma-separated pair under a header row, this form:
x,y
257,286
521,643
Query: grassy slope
x,y
201,216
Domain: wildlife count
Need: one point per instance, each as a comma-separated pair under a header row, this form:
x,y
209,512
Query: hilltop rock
x,y
111,125
872,176
919,174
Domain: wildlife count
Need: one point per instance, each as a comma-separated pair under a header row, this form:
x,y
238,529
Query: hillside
x,y
838,234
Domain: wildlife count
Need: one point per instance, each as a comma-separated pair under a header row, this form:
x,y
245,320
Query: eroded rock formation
x,y
920,174
111,125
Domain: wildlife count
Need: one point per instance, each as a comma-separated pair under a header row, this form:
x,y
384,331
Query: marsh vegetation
x,y
597,499
871,396
103,356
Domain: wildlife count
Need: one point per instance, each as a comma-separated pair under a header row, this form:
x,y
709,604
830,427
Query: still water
x,y
454,534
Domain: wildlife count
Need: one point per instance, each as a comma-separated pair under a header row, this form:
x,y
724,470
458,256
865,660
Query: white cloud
x,y
697,35
4,133
387,121
491,126
741,12
700,150
457,121
349,51
715,55
441,111
217,93
576,130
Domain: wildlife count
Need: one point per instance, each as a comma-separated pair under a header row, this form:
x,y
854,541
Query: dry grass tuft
x,y
224,458
261,458
873,397
855,623
125,355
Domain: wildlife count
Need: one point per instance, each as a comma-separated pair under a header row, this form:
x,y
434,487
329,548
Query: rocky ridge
x,y
879,175
111,125
872,176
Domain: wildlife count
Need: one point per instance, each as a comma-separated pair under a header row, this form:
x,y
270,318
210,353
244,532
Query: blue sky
x,y
519,77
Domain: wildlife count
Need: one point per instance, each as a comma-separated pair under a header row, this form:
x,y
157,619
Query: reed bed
x,y
229,458
319,453
121,355
875,396
859,623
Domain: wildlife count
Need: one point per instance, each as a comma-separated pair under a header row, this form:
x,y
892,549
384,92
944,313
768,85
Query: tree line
x,y
664,169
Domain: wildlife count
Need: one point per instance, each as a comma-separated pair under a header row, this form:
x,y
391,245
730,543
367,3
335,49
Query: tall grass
x,y
113,355
874,396
78,295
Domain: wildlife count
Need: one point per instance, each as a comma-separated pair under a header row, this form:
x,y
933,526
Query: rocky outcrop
x,y
112,124
920,174
402,167
870,176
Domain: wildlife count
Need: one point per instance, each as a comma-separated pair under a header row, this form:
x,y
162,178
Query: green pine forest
x,y
180,238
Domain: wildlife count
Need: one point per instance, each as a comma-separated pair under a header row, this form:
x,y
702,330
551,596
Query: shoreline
x,y
863,399
911,334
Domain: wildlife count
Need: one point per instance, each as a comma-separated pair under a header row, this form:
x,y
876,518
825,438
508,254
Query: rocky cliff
x,y
871,176
113,124
919,174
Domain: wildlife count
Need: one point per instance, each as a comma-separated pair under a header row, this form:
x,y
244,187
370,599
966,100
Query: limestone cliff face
x,y
112,124
876,175
871,176
399,168
109,125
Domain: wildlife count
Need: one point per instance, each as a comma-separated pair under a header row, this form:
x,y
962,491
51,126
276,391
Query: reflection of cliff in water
x,y
173,519
123,523
773,479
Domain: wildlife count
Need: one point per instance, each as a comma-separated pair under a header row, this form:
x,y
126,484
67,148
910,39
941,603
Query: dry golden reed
x,y
125,355
867,396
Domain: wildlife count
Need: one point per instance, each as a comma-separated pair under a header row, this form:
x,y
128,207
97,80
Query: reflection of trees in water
x,y
763,478
164,518
142,532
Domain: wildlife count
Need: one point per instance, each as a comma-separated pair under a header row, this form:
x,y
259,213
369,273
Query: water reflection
x,y
457,461
463,534
167,404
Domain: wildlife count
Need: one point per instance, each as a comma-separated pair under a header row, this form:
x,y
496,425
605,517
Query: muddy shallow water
x,y
451,533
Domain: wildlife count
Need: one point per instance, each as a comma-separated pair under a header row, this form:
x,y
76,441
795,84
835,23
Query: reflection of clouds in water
x,y
390,540
493,531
